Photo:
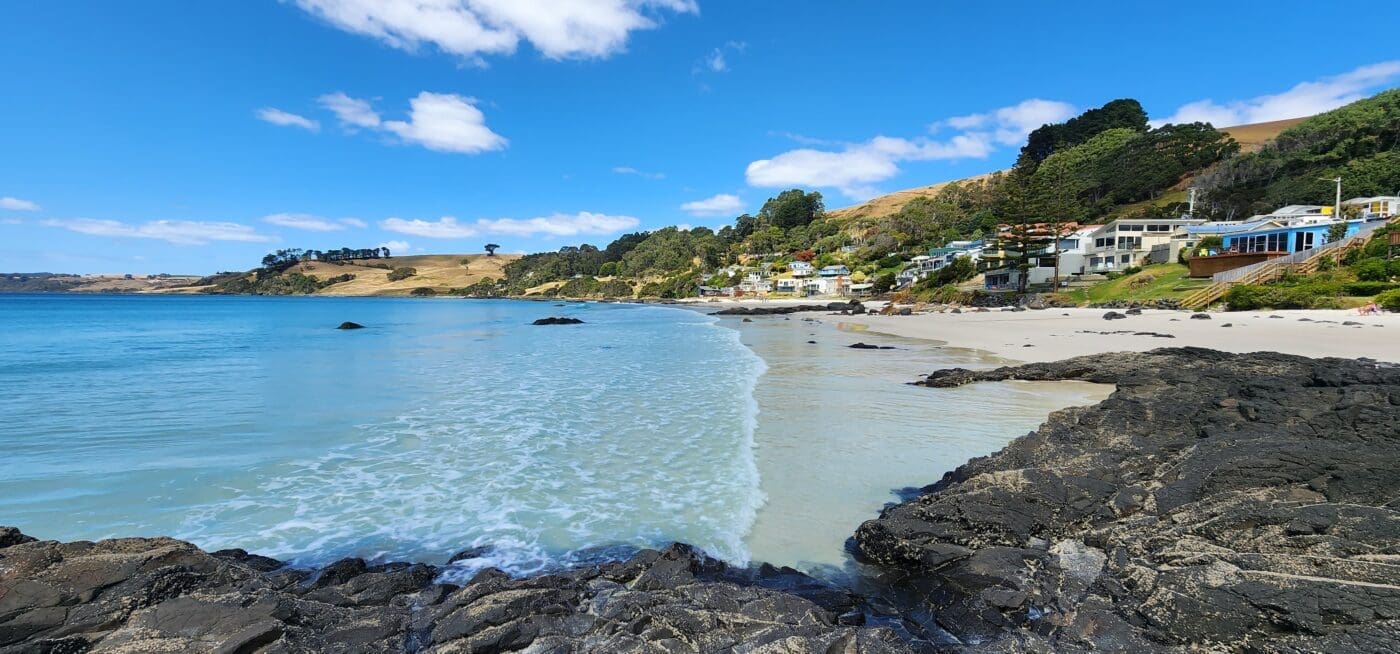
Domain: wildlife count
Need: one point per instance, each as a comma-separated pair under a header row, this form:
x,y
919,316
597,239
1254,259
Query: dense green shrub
x,y
615,288
1389,300
422,291
1132,270
402,273
1367,289
579,287
1372,270
1245,297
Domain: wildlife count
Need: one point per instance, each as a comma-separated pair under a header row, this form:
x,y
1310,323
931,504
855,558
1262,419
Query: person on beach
x,y
1370,309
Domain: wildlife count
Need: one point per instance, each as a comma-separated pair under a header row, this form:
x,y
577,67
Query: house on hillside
x,y
787,285
1264,238
1136,242
800,269
1381,207
834,271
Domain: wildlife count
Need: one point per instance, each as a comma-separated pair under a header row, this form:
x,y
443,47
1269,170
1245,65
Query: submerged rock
x,y
556,320
867,346
350,325
1212,500
164,595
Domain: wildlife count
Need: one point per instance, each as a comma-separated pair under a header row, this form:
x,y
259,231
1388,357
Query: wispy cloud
x,y
287,119
1011,125
716,61
557,224
628,170
352,112
723,204
1304,99
394,246
177,232
437,121
16,204
578,29
312,223
857,167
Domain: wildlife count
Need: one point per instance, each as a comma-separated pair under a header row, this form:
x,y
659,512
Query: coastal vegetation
x,y
1106,163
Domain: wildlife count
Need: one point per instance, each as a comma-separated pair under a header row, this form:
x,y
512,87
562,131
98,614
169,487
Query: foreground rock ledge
x,y
163,595
1214,502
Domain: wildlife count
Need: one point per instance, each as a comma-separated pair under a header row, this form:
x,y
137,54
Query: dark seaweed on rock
x,y
1231,502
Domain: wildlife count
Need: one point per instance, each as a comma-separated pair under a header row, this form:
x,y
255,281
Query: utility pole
x,y
1337,208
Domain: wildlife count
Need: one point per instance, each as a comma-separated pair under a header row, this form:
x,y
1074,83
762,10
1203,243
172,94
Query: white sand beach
x,y
1052,334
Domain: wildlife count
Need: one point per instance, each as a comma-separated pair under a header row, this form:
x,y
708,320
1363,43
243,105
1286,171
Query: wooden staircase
x,y
1299,263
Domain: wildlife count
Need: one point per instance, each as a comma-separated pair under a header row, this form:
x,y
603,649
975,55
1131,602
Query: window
x,y
1130,228
1046,262
1127,258
1103,242
1129,242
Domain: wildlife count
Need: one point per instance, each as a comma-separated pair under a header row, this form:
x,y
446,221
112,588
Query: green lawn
x,y
1163,280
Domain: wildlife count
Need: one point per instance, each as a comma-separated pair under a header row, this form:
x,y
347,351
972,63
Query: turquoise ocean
x,y
252,422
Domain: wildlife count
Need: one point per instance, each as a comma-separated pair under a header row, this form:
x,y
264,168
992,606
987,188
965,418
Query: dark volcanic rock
x,y
164,595
1214,502
852,307
555,320
350,325
867,346
1113,315
1200,316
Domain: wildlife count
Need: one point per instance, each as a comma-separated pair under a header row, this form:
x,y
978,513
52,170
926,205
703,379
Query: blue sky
x,y
154,136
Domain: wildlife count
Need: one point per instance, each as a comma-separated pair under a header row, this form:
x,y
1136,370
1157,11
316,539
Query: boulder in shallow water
x,y
350,325
556,320
867,346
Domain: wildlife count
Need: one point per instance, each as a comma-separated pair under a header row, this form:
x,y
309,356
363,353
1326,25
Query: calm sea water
x,y
445,424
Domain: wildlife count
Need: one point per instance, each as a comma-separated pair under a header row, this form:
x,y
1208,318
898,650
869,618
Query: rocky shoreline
x,y
1214,502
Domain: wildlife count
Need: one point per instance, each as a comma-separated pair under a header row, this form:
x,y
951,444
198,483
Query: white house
x,y
800,269
787,285
834,271
1378,208
1134,242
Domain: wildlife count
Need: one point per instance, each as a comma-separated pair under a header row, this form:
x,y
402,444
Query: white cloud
x,y
724,204
557,224
287,119
438,121
628,170
11,221
1011,125
394,246
178,232
445,227
1305,99
446,123
857,167
352,112
473,28
16,204
312,223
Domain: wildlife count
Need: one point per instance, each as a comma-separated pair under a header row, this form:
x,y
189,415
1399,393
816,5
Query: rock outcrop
x,y
350,325
556,320
164,595
1214,502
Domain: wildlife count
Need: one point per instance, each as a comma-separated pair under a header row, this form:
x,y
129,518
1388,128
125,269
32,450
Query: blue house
x,y
1270,235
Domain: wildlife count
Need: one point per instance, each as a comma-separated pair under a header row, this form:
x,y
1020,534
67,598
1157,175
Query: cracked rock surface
x,y
1216,502
162,595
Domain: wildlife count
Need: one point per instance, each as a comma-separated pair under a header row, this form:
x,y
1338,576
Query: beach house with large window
x,y
1130,242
